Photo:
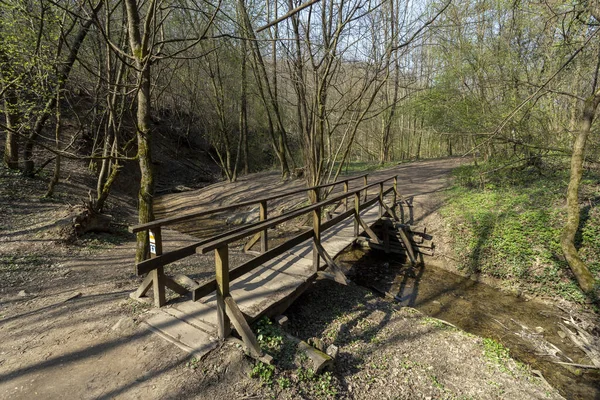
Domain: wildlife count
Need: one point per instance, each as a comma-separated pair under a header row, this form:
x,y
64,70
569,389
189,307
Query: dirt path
x,y
69,330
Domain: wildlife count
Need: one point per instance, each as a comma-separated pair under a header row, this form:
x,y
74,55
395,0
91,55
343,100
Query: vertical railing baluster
x,y
264,238
222,277
365,181
345,198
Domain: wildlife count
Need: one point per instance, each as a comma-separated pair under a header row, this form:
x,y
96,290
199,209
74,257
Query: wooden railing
x,y
226,306
154,266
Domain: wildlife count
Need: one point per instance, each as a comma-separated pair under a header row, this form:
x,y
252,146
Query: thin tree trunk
x,y
56,175
11,147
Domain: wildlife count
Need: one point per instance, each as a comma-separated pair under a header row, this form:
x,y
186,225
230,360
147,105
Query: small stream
x,y
530,329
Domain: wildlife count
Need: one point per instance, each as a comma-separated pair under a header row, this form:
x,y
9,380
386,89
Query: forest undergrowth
x,y
505,221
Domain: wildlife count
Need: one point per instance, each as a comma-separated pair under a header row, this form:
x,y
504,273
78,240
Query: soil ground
x,y
70,331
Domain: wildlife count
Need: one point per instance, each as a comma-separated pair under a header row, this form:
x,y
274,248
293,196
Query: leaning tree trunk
x,y
582,273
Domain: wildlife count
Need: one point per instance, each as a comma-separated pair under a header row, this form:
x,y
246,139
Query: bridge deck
x,y
266,290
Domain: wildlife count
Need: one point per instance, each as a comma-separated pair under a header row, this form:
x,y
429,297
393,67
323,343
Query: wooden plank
x,y
222,277
211,285
182,334
283,302
241,326
191,319
207,315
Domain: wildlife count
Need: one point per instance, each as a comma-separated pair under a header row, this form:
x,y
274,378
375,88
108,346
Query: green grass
x,y
507,224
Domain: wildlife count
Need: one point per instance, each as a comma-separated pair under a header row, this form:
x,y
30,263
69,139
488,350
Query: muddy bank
x,y
529,328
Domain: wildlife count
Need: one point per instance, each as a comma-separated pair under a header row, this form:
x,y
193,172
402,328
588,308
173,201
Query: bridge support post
x,y
222,278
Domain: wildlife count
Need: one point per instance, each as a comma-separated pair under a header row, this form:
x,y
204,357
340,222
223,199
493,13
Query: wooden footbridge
x,y
275,277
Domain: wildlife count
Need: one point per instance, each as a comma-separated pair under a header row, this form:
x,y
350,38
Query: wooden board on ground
x,y
182,334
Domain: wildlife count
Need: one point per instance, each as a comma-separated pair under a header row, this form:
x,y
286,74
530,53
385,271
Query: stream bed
x,y
530,329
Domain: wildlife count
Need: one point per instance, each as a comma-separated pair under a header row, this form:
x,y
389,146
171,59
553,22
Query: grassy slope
x,y
506,223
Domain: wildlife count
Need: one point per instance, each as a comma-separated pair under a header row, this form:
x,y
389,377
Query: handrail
x,y
269,223
247,230
172,220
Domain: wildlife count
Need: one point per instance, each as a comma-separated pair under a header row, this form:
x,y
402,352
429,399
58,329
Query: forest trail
x,y
71,330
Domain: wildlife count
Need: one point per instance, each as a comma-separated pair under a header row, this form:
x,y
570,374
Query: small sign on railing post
x,y
152,244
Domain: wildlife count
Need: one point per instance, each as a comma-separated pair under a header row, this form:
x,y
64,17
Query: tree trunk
x,y
11,147
139,49
582,273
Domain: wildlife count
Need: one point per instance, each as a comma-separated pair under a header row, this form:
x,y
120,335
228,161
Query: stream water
x,y
530,329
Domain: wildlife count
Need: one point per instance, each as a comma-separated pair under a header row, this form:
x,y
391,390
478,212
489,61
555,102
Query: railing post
x,y
222,278
158,274
365,180
356,212
317,230
264,239
380,199
345,198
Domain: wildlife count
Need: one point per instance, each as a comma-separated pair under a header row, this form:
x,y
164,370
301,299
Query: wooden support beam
x,y
241,326
367,229
252,242
174,286
366,189
408,245
143,288
340,277
222,277
390,211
